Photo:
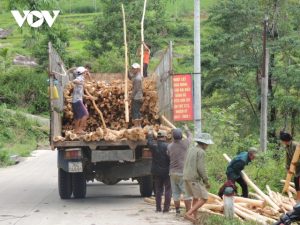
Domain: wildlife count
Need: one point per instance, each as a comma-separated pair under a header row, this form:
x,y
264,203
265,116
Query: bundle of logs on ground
x,y
263,208
109,102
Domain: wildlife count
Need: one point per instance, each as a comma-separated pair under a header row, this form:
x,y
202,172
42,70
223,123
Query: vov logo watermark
x,y
35,18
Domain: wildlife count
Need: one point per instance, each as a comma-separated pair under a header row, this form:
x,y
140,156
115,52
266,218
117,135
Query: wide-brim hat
x,y
204,138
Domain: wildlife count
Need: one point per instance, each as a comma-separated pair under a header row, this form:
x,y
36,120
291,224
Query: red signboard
x,y
182,97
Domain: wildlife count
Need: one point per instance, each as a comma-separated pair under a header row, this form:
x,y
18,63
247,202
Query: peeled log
x,y
251,202
258,191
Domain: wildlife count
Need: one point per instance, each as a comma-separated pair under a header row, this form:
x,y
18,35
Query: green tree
x,y
106,33
233,56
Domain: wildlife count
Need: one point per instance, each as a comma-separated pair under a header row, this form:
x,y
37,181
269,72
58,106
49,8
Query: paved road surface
x,y
29,196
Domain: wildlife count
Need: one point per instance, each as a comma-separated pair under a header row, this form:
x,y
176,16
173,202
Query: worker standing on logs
x,y
290,148
195,175
79,109
236,166
160,169
137,93
177,151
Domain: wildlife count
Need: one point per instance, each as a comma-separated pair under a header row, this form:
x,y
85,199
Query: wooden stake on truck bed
x,y
97,109
292,169
142,38
126,67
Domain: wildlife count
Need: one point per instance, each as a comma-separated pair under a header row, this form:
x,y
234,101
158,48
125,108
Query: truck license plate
x,y
75,167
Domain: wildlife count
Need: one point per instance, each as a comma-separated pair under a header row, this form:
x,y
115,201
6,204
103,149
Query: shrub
x,y
24,87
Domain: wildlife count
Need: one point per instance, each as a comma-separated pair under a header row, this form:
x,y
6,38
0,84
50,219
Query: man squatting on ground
x,y
177,151
160,169
236,166
195,175
290,148
79,109
137,93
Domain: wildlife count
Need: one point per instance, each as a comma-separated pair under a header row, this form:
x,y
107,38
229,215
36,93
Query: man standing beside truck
x,y
195,174
137,94
177,151
160,169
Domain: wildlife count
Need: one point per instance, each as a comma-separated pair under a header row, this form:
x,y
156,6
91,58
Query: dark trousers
x,y
136,106
145,70
244,187
162,184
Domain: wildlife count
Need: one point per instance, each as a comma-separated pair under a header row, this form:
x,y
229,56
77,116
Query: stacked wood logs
x,y
264,208
254,209
109,99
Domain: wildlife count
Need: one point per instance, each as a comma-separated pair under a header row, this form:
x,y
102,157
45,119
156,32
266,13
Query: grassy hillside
x,y
18,135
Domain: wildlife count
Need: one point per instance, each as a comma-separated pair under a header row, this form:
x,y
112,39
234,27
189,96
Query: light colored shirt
x,y
78,89
194,167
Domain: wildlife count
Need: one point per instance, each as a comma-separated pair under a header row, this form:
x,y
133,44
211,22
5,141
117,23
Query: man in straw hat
x,y
195,175
160,169
236,166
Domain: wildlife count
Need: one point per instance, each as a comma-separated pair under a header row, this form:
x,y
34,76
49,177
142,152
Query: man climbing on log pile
x,y
195,175
236,166
160,169
177,151
79,109
137,94
290,148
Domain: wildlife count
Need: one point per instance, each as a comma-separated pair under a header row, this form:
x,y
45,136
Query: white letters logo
x,y
39,15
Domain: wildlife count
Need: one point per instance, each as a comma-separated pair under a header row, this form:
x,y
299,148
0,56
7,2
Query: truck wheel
x,y
146,186
79,185
64,184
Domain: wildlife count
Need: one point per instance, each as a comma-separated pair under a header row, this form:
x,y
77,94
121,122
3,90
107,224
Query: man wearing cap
x,y
290,148
160,169
137,93
177,152
235,167
80,111
195,175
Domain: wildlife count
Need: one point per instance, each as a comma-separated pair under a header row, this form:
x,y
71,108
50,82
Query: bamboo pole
x,y
292,169
170,124
126,67
97,109
142,37
258,191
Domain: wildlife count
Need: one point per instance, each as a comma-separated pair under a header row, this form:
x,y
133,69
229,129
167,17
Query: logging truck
x,y
109,162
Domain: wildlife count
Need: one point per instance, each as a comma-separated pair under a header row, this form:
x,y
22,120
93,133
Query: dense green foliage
x,y
233,58
24,88
106,33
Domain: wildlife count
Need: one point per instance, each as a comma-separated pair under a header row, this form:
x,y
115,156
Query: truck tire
x,y
64,184
146,186
79,185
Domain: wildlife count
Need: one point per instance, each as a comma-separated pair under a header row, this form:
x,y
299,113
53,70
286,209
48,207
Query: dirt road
x,y
29,196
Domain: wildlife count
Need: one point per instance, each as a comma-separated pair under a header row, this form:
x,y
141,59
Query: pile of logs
x,y
109,99
263,208
133,134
